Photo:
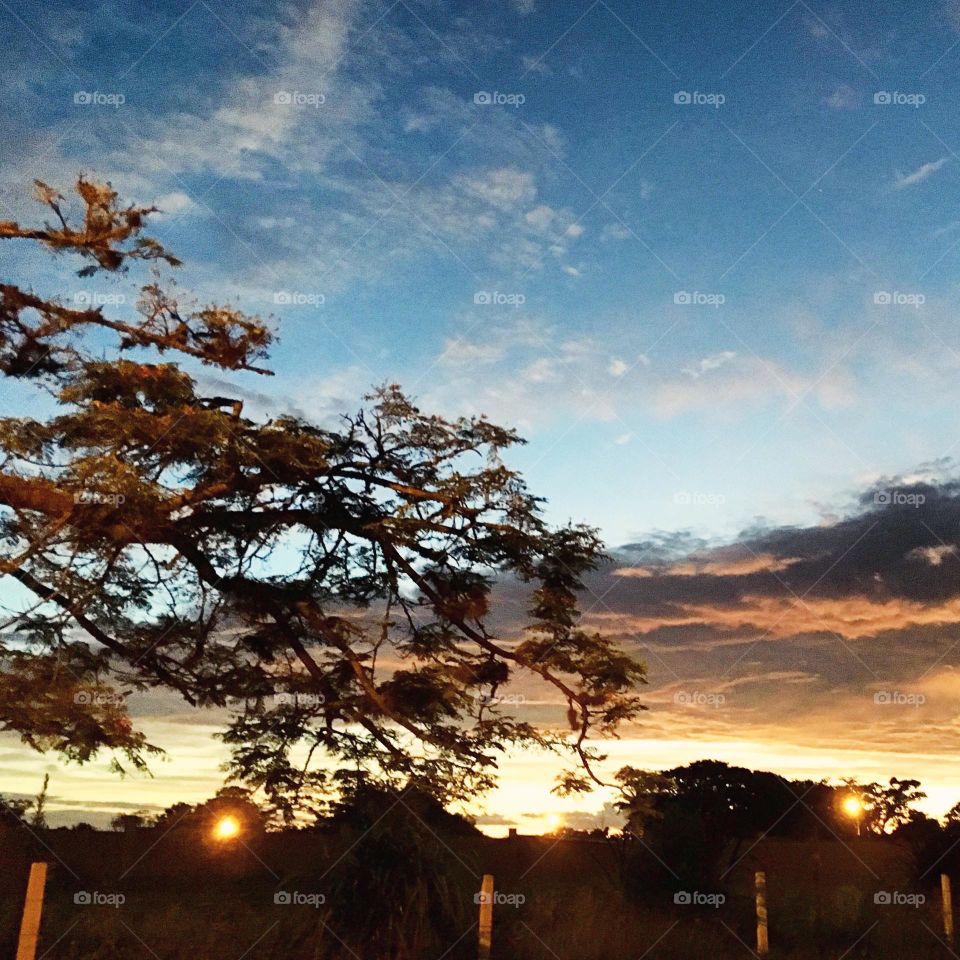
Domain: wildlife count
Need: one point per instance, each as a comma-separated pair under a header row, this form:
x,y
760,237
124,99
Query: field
x,y
313,895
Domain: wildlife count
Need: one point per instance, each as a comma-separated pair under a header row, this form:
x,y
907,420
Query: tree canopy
x,y
331,585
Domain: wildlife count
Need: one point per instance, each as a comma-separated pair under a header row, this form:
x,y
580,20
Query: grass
x,y
567,900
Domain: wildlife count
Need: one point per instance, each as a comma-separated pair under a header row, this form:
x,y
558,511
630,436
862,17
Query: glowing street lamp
x,y
226,829
853,807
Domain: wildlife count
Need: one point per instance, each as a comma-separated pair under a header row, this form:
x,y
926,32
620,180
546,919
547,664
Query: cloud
x,y
524,371
176,202
925,170
707,364
818,638
843,97
460,352
504,187
886,571
615,231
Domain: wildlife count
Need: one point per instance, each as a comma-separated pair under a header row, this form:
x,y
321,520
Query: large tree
x,y
331,586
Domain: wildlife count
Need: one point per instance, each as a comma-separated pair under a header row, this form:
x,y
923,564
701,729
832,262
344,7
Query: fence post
x,y
763,942
947,903
485,930
32,909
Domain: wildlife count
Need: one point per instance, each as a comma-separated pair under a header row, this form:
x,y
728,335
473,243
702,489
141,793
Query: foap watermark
x,y
896,898
898,498
496,298
898,298
500,899
94,698
99,498
697,498
898,698
898,98
97,898
97,98
495,98
694,898
297,98
696,298
298,298
94,298
296,898
697,98
699,698
300,699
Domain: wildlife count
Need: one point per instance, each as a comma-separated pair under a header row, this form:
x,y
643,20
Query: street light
x,y
226,829
853,807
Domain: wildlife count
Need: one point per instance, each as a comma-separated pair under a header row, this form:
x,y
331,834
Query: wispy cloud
x,y
925,170
714,362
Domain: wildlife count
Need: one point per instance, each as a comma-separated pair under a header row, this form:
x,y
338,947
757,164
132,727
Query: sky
x,y
703,256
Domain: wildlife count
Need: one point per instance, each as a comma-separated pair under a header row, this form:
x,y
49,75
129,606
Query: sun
x,y
554,822
226,828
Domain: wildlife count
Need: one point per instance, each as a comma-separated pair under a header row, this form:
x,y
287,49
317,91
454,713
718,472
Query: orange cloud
x,y
780,617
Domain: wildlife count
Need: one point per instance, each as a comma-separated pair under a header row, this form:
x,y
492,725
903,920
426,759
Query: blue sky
x,y
703,315
786,191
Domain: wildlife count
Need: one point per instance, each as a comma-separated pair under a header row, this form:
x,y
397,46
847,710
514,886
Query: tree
x,y
129,822
332,586
641,797
889,806
13,810
38,819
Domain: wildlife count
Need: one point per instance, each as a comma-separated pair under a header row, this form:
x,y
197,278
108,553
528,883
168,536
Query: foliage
x,y
401,890
888,807
330,586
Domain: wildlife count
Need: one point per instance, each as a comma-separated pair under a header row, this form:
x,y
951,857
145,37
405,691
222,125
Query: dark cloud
x,y
838,634
901,543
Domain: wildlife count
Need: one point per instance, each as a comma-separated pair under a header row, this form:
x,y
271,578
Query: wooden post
x,y
32,909
947,902
763,942
485,930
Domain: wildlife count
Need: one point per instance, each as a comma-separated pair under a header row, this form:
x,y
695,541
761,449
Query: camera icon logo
x,y
283,97
82,898
882,97
882,897
283,898
682,898
482,97
83,97
682,97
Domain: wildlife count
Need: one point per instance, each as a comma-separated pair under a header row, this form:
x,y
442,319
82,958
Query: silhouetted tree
x,y
38,819
890,805
127,822
330,585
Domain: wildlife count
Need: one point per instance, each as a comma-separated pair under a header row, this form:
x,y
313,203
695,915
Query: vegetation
x,y
331,586
389,875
